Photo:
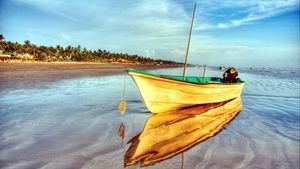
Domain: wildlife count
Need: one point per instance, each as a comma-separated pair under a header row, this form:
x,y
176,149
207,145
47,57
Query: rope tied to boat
x,y
122,105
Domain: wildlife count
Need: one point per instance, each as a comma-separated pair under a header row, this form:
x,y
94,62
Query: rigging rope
x,y
122,104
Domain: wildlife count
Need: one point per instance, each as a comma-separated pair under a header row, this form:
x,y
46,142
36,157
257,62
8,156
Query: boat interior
x,y
189,79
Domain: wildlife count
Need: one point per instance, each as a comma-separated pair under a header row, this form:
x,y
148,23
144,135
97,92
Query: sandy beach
x,y
74,123
28,75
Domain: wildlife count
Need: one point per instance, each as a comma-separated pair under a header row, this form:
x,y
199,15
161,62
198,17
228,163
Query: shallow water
x,y
74,124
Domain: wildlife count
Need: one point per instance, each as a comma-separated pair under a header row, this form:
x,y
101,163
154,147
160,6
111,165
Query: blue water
x,y
74,124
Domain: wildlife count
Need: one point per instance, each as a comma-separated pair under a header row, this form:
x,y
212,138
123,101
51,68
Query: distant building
x,y
25,56
4,57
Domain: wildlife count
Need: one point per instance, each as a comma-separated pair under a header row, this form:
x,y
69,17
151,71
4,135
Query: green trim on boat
x,y
190,79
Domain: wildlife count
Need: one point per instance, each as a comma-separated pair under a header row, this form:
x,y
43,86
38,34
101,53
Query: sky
x,y
243,33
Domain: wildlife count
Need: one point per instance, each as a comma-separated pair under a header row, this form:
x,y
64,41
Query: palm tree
x,y
1,37
72,53
69,52
27,47
78,48
2,43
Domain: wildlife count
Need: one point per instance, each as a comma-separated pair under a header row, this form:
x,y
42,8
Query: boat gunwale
x,y
165,77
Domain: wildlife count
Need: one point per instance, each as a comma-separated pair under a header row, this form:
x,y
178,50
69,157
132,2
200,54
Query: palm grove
x,y
70,53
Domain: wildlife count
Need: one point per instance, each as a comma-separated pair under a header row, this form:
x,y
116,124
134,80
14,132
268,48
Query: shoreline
x,y
20,75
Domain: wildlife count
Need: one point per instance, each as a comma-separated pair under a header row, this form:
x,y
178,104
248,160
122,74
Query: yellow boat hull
x,y
163,94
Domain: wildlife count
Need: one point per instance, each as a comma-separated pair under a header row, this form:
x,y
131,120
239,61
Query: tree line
x,y
70,53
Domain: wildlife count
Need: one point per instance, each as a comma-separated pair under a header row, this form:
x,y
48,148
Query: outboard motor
x,y
230,76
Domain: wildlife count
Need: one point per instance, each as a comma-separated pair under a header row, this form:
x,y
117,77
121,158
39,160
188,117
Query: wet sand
x,y
74,123
30,75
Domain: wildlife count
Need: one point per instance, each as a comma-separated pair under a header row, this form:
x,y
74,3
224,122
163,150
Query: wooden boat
x,y
162,93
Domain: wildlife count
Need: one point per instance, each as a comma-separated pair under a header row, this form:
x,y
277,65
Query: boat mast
x,y
188,45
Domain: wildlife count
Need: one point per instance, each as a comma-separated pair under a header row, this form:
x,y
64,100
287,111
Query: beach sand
x,y
74,123
29,75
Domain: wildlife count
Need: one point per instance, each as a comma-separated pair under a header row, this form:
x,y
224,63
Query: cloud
x,y
158,18
116,21
149,53
236,13
178,52
64,36
156,28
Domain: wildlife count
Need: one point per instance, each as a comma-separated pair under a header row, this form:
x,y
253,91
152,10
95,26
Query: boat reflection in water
x,y
168,134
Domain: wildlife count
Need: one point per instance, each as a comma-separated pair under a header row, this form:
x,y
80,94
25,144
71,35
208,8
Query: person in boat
x,y
230,76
